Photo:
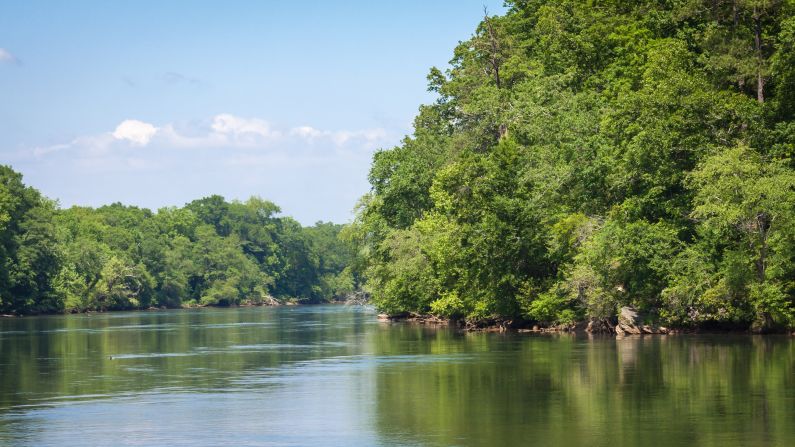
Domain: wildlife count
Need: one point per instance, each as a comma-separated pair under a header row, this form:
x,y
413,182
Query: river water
x,y
334,375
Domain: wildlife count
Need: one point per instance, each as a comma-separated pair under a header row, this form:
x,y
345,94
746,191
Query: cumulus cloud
x,y
238,127
223,131
339,137
306,132
7,57
154,163
137,132
182,139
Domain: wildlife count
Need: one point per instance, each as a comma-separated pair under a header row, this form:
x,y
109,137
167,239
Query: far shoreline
x,y
496,325
186,307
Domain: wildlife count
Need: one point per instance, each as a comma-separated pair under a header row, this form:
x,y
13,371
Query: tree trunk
x,y
763,226
760,79
503,131
495,50
735,16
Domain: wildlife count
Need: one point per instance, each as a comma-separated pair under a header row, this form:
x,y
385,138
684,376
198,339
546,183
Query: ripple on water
x,y
271,346
135,328
141,369
233,325
150,355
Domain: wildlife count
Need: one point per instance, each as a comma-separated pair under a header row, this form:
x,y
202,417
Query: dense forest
x,y
588,155
209,252
581,156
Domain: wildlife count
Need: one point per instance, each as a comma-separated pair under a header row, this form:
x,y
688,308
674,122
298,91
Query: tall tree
x,y
29,257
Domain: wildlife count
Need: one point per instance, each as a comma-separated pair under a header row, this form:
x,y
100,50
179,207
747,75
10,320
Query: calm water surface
x,y
333,375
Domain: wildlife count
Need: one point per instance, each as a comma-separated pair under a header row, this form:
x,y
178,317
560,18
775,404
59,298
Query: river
x,y
334,375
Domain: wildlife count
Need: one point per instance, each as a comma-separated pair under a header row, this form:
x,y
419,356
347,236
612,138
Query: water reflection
x,y
333,375
567,390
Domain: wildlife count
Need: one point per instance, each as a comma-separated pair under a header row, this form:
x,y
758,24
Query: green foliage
x,y
556,305
748,205
629,261
29,256
450,305
406,282
578,158
211,252
584,157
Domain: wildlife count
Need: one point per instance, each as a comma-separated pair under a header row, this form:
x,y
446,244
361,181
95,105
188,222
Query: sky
x,y
154,104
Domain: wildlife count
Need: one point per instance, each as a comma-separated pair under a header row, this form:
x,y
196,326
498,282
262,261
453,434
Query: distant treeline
x,y
209,252
588,155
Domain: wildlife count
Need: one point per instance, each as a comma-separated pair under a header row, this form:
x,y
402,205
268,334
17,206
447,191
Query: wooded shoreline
x,y
118,257
587,327
490,325
274,303
583,158
578,160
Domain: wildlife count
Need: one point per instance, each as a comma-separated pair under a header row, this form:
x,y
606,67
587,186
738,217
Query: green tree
x,y
29,256
556,177
750,204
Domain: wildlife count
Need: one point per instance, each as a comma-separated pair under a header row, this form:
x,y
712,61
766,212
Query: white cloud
x,y
88,146
306,132
7,57
339,137
236,126
178,139
224,131
153,164
137,132
39,152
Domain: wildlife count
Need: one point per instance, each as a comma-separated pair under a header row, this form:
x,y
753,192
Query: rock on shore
x,y
630,322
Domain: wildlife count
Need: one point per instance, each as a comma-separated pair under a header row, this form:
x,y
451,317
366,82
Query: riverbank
x,y
153,309
628,322
353,299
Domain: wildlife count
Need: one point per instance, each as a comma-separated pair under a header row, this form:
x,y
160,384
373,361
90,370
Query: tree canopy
x,y
583,156
210,252
580,157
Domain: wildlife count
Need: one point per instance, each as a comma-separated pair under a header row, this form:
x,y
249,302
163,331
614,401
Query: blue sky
x,y
159,103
